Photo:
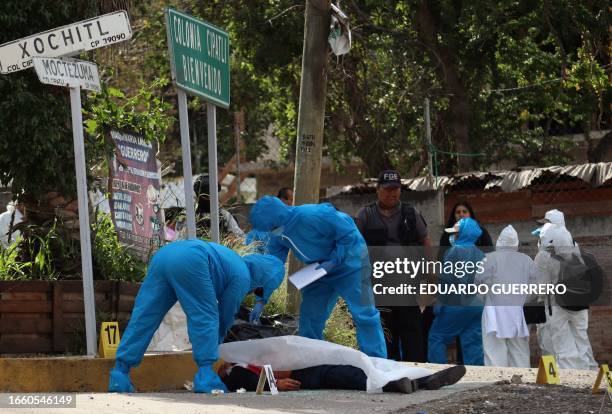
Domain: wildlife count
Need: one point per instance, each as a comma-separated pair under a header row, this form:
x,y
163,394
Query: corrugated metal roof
x,y
593,174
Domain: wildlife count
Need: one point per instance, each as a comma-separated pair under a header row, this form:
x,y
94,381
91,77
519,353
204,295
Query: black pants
x,y
403,333
320,377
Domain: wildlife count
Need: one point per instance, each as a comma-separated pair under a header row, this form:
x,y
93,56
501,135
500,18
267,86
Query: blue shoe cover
x,y
119,382
207,380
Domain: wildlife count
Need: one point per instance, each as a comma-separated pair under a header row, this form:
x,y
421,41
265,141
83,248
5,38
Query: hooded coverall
x,y
459,315
209,281
320,233
505,333
565,332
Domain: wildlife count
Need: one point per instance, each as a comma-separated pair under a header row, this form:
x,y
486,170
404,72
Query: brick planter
x,y
48,317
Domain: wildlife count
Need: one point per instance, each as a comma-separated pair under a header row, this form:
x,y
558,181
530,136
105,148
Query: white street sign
x,y
68,72
67,40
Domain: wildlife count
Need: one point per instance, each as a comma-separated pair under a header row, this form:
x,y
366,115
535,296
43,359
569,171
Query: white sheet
x,y
295,352
172,333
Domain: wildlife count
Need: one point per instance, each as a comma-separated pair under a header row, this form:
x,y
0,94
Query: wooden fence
x,y
48,317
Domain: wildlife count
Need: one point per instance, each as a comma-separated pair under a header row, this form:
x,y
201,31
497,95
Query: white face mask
x,y
278,231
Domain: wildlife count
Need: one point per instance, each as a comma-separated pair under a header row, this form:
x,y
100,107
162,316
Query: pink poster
x,y
135,202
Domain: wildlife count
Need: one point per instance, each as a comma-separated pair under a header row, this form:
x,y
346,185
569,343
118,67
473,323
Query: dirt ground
x,y
517,398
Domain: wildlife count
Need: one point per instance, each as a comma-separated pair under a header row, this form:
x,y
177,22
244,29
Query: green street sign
x,y
199,57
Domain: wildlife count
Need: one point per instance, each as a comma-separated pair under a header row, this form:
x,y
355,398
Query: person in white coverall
x,y
565,330
505,334
551,218
14,213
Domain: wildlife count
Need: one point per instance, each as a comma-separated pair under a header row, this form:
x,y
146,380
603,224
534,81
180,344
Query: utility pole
x,y
311,118
428,139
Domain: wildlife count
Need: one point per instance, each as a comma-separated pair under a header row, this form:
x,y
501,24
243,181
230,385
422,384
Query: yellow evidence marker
x,y
604,373
109,339
548,373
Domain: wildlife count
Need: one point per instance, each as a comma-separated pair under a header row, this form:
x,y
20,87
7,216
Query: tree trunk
x,y
448,70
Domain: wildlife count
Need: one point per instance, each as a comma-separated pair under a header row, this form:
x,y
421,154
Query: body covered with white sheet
x,y
286,353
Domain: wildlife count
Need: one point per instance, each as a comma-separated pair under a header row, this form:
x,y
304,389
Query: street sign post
x,y
67,40
67,72
199,60
77,74
63,41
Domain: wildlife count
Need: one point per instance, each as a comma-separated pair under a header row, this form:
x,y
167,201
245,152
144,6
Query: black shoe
x,y
403,385
448,376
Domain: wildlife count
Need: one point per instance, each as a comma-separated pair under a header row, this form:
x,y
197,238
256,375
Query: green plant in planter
x,y
10,266
112,260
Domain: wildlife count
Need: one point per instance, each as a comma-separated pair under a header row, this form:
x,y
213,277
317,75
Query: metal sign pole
x,y
211,119
187,172
79,161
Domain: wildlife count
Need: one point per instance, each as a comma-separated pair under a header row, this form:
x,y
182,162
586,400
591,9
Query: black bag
x,y
583,280
273,325
535,312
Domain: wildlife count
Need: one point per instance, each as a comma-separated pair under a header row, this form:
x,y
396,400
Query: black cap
x,y
389,178
201,185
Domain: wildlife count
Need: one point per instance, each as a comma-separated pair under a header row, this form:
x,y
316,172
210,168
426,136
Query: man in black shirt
x,y
391,222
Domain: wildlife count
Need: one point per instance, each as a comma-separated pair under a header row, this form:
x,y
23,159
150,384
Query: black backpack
x,y
583,280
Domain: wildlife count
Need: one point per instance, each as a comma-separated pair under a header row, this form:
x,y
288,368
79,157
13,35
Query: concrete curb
x,y
160,372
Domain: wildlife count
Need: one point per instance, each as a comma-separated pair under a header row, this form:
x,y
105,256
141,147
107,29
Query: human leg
x,y
365,315
471,336
153,301
318,301
518,352
443,331
196,294
579,323
410,330
495,350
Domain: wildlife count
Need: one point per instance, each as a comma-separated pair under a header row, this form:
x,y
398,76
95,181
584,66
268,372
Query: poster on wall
x,y
135,185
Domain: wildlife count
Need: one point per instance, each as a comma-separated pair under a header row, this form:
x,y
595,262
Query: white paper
x,y
306,275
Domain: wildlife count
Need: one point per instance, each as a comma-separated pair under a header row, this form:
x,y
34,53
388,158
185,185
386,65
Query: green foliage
x,y
10,266
40,253
36,138
112,260
145,112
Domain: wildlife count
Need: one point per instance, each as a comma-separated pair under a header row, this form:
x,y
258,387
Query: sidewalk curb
x,y
162,372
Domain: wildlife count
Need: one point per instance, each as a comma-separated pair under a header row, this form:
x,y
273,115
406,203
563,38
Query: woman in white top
x,y
505,334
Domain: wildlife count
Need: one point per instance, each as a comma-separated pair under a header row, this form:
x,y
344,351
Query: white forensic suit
x,y
5,224
505,334
565,332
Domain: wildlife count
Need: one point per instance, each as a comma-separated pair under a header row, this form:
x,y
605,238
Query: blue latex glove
x,y
255,314
119,380
206,380
327,266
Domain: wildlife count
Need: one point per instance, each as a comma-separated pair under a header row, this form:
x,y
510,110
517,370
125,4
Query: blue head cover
x,y
269,213
469,232
266,271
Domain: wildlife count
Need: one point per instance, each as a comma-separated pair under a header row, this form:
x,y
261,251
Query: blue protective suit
x,y
267,272
320,233
210,281
459,315
267,243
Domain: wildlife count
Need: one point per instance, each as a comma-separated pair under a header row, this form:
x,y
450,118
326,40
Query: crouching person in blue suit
x,y
459,314
209,281
318,233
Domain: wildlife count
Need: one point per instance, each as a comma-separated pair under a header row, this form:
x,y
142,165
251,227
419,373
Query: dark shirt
x,y
392,223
